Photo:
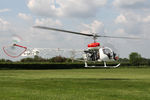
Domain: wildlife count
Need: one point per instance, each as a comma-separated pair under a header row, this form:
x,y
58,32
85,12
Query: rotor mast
x,y
94,38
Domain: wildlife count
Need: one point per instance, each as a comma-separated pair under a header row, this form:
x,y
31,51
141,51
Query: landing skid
x,y
105,66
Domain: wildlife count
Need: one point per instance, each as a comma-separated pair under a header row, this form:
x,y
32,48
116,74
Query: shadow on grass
x,y
116,79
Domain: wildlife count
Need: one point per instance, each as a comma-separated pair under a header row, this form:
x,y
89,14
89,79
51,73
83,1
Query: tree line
x,y
134,59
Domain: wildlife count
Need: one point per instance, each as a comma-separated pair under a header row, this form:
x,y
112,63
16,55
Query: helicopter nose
x,y
116,58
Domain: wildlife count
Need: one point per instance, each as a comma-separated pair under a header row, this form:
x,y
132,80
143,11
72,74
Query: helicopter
x,y
94,52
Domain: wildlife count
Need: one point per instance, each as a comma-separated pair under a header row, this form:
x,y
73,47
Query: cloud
x,y
146,19
134,23
66,8
45,35
4,10
134,15
132,4
4,25
121,19
48,22
43,7
25,16
94,27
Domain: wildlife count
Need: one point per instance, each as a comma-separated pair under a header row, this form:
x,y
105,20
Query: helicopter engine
x,y
92,53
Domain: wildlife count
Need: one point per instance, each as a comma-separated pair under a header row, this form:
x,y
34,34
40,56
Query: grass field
x,y
76,84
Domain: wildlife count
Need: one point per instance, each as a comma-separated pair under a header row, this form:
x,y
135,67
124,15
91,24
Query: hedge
x,y
48,65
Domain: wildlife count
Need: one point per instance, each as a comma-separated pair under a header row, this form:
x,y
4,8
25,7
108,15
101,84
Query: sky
x,y
106,17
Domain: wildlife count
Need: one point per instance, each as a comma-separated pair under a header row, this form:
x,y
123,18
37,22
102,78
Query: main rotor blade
x,y
117,37
61,30
79,33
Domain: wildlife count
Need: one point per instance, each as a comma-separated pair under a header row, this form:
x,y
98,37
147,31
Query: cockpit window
x,y
107,51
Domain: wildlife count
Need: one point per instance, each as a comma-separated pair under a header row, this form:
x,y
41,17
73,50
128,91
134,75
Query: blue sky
x,y
106,17
15,6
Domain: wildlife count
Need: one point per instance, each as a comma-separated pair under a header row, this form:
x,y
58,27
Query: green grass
x,y
76,84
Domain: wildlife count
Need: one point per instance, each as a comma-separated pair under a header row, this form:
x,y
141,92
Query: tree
x,y
27,60
35,59
5,60
58,59
39,59
123,60
135,58
2,60
148,62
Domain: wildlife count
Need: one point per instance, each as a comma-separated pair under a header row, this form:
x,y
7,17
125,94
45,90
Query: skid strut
x,y
105,66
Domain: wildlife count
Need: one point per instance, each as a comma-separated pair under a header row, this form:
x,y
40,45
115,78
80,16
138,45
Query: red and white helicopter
x,y
94,52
